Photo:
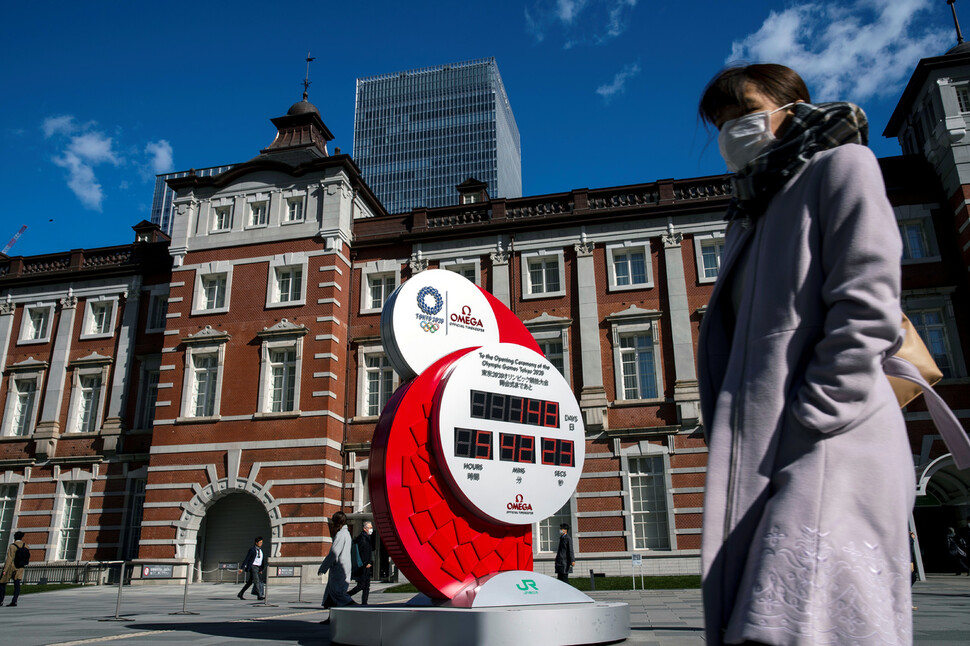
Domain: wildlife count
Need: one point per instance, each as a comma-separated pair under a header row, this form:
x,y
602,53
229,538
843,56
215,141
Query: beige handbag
x,y
914,351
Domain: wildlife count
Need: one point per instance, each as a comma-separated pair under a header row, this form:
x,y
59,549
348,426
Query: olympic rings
x,y
429,326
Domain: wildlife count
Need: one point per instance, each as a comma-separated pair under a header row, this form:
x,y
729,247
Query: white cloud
x,y
160,156
849,51
579,21
81,180
609,90
93,148
63,125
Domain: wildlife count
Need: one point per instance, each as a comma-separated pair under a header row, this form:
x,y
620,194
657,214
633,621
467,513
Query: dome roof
x,y
302,107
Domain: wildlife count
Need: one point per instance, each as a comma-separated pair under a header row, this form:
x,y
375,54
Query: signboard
x,y
637,560
509,433
229,566
157,571
285,571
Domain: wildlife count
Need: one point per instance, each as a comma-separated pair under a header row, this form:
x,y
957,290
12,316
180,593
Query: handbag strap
x,y
946,422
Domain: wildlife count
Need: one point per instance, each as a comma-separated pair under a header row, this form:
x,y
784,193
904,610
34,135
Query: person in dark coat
x,y
957,549
11,571
564,555
801,423
366,571
253,566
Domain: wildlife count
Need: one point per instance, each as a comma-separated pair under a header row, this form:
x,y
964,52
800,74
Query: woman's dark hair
x,y
338,520
18,535
781,84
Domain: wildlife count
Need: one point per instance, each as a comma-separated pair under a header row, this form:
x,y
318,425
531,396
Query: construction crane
x,y
14,239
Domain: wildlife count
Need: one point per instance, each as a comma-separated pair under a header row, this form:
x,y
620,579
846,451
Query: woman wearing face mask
x,y
810,475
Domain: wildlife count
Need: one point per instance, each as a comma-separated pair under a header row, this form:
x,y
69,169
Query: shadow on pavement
x,y
305,633
690,629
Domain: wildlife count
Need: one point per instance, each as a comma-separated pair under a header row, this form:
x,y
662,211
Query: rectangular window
x,y
932,329
649,501
8,502
205,370
100,317
88,400
381,286
25,391
549,529
157,309
914,240
630,267
136,506
639,379
711,257
214,291
963,97
149,397
380,383
466,270
553,352
257,214
222,218
38,320
543,275
70,532
283,380
294,210
289,284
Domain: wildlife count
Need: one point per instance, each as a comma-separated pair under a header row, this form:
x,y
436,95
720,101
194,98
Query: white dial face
x,y
509,434
433,314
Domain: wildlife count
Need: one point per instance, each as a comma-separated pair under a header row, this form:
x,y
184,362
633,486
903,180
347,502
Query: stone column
x,y
7,308
686,393
500,274
592,397
49,427
113,423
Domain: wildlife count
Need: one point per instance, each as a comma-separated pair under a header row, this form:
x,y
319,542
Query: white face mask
x,y
369,530
744,138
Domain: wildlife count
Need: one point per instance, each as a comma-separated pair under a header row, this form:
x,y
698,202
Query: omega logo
x,y
519,505
466,317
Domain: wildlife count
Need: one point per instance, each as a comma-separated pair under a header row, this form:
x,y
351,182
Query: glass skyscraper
x,y
420,133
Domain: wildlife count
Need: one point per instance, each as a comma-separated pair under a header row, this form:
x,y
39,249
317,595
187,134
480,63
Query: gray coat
x,y
337,563
810,474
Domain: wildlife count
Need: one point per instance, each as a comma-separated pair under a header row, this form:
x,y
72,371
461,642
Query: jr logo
x,y
526,585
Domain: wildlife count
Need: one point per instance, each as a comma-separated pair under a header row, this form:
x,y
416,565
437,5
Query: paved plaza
x,y
86,615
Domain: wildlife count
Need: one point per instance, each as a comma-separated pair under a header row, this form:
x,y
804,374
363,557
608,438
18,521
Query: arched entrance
x,y
227,532
943,500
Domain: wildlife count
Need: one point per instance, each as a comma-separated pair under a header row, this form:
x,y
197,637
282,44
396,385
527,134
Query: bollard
x,y
265,602
121,585
592,580
185,593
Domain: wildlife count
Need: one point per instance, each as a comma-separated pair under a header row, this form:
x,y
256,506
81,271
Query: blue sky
x,y
100,96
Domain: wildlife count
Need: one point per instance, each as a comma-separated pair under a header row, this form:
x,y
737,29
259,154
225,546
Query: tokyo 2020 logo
x,y
429,293
430,326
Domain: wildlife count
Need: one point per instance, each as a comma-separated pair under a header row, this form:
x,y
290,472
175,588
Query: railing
x,y
713,188
516,210
456,218
617,199
116,257
92,573
45,264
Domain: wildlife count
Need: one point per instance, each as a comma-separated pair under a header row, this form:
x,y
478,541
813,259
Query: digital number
x,y
517,448
497,407
472,443
557,452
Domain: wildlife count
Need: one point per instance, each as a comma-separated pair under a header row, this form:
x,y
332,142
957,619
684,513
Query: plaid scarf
x,y
813,128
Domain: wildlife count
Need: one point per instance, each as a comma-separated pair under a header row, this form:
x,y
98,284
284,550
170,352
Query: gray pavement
x,y
85,615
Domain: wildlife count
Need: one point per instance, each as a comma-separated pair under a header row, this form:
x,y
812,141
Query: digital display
x,y
497,407
517,448
472,443
558,452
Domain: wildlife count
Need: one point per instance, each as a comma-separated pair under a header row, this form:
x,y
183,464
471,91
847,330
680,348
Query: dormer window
x,y
257,214
294,210
222,218
963,97
470,198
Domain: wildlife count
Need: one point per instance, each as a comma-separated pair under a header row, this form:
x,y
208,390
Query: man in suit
x,y
564,555
253,567
363,575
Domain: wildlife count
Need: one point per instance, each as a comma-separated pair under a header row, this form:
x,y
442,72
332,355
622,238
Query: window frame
x,y
552,523
154,298
363,381
613,250
475,264
93,366
702,240
63,518
219,208
9,509
252,202
284,336
651,453
27,370
88,330
291,199
942,302
921,215
206,342
371,270
528,257
143,410
553,329
635,321
286,262
199,297
26,326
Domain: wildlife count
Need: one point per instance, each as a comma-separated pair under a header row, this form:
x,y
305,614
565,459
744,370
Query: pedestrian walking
x,y
796,546
956,547
337,564
364,570
253,566
565,561
18,556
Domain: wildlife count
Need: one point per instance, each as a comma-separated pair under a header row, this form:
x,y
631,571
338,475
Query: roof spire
x,y
306,79
956,22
